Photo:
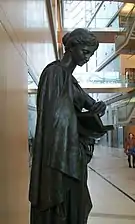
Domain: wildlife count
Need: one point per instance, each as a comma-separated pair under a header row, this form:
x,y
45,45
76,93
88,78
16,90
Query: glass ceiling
x,y
82,13
92,15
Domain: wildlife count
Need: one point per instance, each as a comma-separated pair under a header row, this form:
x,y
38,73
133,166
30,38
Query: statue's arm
x,y
88,100
91,105
83,100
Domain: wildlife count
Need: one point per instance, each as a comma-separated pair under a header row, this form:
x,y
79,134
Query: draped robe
x,y
59,154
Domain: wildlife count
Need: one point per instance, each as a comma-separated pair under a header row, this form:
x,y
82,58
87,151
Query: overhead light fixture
x,y
127,8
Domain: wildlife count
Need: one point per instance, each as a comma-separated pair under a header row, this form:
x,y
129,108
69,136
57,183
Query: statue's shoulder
x,y
52,71
53,67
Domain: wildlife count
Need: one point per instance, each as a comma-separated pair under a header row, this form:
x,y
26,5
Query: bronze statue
x,y
58,185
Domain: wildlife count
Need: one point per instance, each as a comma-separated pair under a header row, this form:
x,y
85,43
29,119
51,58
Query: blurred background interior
x,y
31,37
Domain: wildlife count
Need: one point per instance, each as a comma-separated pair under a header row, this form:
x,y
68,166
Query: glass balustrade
x,y
101,80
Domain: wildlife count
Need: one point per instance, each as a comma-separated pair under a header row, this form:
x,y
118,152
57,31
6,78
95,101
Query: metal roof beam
x,y
104,35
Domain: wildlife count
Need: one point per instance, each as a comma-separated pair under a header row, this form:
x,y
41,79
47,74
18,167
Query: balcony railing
x,y
100,79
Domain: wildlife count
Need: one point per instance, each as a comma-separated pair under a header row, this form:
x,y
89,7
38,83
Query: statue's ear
x,y
72,48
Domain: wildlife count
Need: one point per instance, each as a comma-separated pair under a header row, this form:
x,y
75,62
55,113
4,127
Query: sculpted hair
x,y
79,36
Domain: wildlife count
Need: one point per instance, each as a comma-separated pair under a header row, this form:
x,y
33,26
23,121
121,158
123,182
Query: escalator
x,y
126,112
127,21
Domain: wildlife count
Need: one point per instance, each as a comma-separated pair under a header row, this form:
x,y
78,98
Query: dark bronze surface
x,y
58,185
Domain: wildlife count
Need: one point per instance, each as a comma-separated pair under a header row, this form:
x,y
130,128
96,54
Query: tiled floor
x,y
110,205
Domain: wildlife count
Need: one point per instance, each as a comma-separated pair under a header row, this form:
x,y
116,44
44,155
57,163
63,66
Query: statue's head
x,y
82,44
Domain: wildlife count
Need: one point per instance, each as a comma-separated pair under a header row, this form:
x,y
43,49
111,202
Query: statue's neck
x,y
67,62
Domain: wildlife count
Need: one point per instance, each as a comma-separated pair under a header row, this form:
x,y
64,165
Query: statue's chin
x,y
81,64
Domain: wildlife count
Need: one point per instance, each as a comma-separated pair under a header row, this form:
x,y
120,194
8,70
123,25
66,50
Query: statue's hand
x,y
102,114
99,108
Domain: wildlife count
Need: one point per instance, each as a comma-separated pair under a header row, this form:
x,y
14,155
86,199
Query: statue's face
x,y
81,54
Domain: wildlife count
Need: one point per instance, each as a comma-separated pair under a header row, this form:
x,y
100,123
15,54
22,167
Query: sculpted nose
x,y
87,57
